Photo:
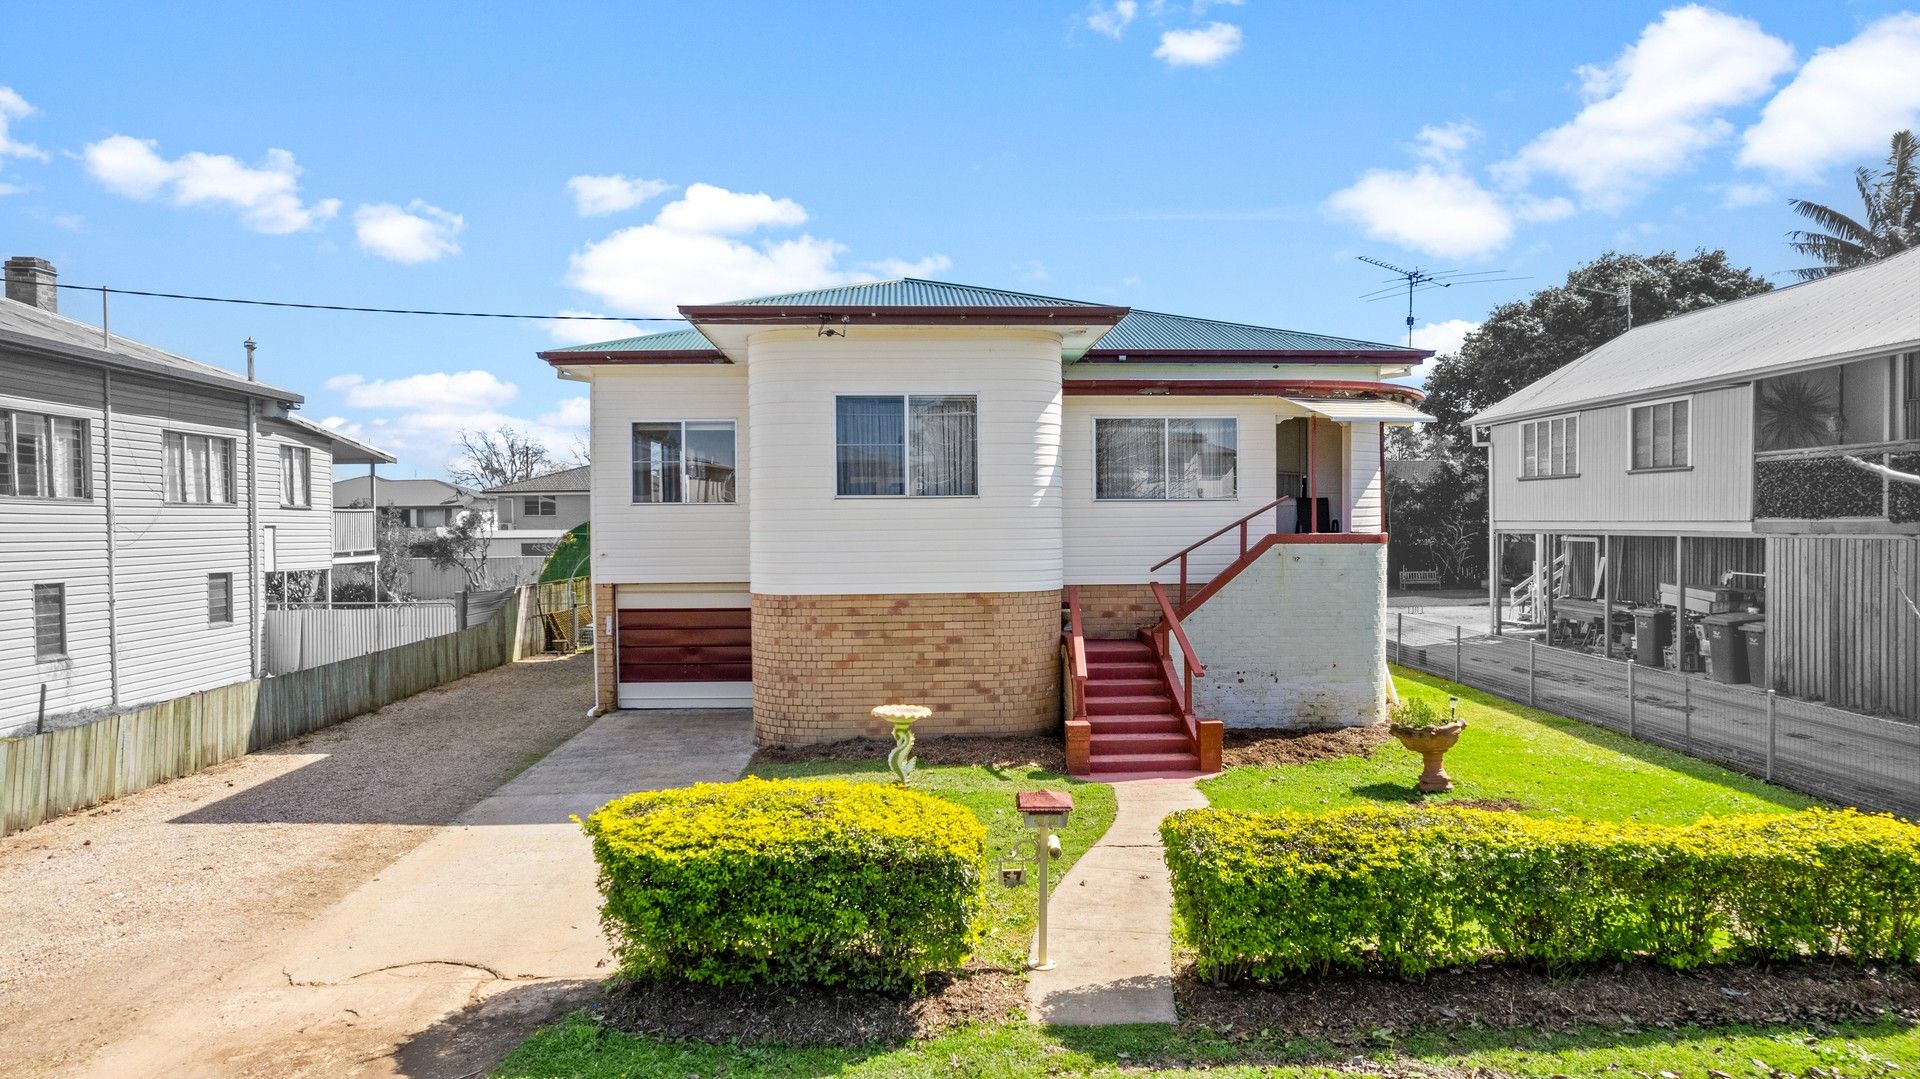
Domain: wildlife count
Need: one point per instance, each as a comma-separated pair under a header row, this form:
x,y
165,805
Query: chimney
x,y
30,281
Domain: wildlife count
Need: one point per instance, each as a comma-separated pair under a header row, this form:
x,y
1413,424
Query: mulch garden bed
x,y
1025,751
810,1015
1351,1009
1263,747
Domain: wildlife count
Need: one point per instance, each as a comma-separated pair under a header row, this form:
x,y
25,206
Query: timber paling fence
x,y
46,775
1842,756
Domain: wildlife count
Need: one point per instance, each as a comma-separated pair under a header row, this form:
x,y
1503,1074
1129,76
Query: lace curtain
x,y
923,446
1164,458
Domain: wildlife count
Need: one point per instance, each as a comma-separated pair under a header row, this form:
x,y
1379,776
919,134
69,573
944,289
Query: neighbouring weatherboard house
x,y
531,515
1013,508
1687,486
146,499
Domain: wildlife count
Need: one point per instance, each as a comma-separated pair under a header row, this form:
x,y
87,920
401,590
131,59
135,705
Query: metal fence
x,y
1841,756
298,637
428,581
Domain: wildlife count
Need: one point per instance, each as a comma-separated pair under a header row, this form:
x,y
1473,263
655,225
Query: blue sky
x,y
1216,159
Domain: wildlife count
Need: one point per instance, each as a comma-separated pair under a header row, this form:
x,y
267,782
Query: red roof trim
x,y
635,358
1250,355
1236,387
904,315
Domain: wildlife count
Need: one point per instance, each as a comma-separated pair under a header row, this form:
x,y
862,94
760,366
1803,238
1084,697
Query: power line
x,y
105,291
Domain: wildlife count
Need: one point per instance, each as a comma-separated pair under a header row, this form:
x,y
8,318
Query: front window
x,y
219,598
1550,448
198,469
296,476
49,621
1660,435
538,506
688,461
44,456
1159,459
922,446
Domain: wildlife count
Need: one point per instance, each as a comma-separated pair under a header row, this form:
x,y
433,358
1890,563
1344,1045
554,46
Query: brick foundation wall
x,y
985,662
606,674
1117,610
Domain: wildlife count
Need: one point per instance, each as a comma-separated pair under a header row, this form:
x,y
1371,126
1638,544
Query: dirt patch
x,y
1024,751
1264,747
1497,805
1350,1009
801,1016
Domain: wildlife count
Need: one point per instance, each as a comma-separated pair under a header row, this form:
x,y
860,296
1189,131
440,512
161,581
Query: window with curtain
x,y
923,446
1550,448
44,456
296,477
197,469
687,461
1170,458
1660,435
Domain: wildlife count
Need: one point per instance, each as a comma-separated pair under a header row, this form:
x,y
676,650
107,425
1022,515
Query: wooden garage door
x,y
686,645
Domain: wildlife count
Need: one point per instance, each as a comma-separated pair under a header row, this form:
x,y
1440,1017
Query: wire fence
x,y
1845,757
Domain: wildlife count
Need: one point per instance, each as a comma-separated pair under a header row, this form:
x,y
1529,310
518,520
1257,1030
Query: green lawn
x,y
1549,764
579,1047
989,793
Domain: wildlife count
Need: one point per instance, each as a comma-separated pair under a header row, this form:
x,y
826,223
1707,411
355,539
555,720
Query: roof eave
x,y
45,348
1236,387
633,357
993,315
1251,355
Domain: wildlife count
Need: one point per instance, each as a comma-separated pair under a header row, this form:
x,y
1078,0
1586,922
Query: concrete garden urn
x,y
1415,724
902,717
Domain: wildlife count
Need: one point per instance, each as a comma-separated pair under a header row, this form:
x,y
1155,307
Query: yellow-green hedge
x,y
828,883
1409,890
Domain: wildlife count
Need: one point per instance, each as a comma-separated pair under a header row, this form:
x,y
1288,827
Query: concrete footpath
x,y
1111,937
482,930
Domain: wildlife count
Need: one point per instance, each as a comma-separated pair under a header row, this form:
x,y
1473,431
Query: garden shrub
x,y
1411,890
786,882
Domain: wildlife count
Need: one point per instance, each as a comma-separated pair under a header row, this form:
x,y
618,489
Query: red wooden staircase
x,y
1135,723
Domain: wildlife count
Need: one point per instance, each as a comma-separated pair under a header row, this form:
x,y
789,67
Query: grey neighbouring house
x,y
531,515
1710,452
145,500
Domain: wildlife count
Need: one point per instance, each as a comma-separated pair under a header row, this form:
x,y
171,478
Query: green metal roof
x,y
1156,330
908,292
670,341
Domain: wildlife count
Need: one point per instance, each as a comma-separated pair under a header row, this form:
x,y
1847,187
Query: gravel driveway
x,y
109,914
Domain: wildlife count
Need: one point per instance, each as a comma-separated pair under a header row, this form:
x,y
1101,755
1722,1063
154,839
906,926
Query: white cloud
x,y
1843,103
698,249
1656,106
570,412
266,196
1537,210
1444,143
452,390
14,107
594,196
419,232
924,267
1444,338
1739,196
1112,20
1202,47
1437,210
580,331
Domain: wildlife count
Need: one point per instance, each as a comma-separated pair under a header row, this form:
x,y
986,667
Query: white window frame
x,y
1525,438
41,653
1166,463
10,454
1632,466
296,463
906,441
549,506
166,464
732,425
213,618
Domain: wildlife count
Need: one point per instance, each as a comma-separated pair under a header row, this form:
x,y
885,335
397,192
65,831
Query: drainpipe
x,y
254,590
113,585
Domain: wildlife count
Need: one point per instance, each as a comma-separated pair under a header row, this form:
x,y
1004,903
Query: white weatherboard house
x,y
1706,455
1016,509
145,499
531,515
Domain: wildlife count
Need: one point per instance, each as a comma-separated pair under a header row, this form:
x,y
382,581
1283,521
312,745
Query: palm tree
x,y
1892,200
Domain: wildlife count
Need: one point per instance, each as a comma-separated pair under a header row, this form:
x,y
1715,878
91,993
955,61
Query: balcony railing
x,y
1820,484
353,532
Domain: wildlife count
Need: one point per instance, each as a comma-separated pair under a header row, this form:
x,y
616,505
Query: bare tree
x,y
462,545
491,458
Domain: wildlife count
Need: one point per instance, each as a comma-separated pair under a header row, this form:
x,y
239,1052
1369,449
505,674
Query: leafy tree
x,y
1891,197
393,541
491,458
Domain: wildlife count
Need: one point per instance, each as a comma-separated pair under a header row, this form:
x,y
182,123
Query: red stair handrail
x,y
1170,626
1241,524
1076,654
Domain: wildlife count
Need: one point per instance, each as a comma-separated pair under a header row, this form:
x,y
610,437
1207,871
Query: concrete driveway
x,y
457,949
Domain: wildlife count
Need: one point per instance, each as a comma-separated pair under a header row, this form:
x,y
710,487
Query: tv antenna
x,y
1419,280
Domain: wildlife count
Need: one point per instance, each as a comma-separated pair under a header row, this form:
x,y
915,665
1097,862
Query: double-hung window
x,y
1550,448
538,506
49,621
296,477
914,445
219,598
1160,459
198,469
44,456
1661,438
688,461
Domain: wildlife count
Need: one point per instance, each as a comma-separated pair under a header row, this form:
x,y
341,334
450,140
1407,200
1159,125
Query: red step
x,y
1108,744
1111,669
1110,763
1108,649
1128,705
1126,687
1164,723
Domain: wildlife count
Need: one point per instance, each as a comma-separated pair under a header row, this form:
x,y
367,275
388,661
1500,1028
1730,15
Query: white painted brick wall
x,y
1298,639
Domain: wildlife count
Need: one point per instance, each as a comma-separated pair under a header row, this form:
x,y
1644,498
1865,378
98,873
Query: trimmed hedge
x,y
1407,891
830,883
